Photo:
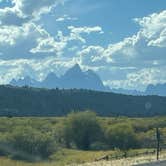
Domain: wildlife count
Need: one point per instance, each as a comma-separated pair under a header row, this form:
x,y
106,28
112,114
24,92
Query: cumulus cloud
x,y
76,32
24,41
9,16
153,28
160,41
24,10
92,56
28,8
47,45
147,45
29,39
139,79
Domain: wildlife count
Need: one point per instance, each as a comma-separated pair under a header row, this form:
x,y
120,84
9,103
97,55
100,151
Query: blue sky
x,y
124,41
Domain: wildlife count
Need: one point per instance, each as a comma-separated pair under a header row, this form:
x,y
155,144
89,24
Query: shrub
x,y
121,136
99,146
30,144
4,145
82,129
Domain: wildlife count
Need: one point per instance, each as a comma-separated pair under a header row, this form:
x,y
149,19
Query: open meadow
x,y
73,158
79,138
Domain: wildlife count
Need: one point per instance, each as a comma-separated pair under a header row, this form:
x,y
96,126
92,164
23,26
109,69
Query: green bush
x,y
99,146
121,136
5,148
30,144
82,129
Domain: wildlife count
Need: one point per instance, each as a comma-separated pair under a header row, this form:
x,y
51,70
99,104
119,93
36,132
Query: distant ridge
x,y
73,78
128,92
158,89
76,78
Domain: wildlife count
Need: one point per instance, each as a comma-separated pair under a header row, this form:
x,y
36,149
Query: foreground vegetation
x,y
80,137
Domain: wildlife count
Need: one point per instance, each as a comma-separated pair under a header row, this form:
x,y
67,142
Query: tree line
x,y
27,101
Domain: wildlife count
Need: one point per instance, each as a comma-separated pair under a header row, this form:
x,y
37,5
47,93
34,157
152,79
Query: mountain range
x,y
73,78
78,79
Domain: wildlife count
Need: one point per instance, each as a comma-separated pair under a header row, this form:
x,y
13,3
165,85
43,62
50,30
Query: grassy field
x,y
61,158
17,135
84,158
131,161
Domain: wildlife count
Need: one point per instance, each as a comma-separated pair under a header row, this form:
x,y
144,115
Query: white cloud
x,y
92,56
76,32
160,41
48,44
28,8
66,18
28,39
153,28
88,30
139,79
31,39
145,47
10,16
24,10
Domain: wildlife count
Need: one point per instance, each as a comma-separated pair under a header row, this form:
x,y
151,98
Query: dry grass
x,y
126,162
61,158
82,156
9,162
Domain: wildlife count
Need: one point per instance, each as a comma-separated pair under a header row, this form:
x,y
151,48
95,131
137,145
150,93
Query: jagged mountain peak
x,y
51,75
76,69
24,81
73,78
91,72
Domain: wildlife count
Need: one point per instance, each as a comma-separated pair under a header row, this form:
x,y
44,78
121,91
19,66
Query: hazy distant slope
x,y
159,89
